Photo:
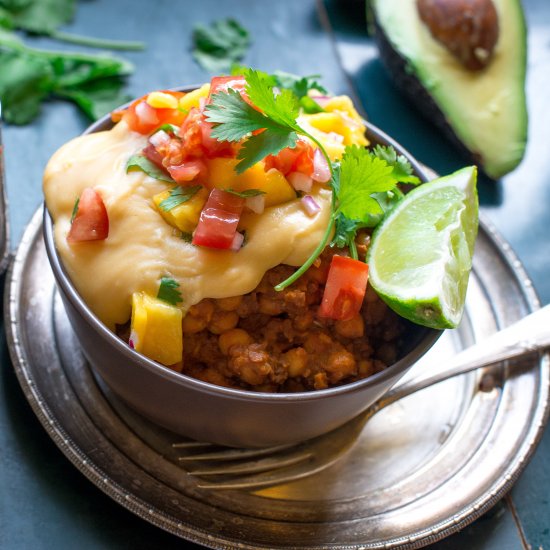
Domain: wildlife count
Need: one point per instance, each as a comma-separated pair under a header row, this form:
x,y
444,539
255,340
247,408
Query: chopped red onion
x,y
133,340
310,205
321,100
300,181
146,113
159,138
256,204
321,170
238,240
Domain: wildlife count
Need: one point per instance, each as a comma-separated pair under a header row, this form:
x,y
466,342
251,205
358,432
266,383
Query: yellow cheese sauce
x,y
141,247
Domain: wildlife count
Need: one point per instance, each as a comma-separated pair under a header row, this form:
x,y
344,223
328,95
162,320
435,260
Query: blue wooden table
x,y
44,501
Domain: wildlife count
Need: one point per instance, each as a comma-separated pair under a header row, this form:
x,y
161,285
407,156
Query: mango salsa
x,y
192,99
186,215
222,175
156,329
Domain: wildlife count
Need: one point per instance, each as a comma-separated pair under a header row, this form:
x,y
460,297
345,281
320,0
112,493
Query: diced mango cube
x,y
352,131
156,329
162,100
276,188
344,104
186,215
222,175
192,99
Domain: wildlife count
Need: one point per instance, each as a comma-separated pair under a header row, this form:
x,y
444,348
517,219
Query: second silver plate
x,y
420,470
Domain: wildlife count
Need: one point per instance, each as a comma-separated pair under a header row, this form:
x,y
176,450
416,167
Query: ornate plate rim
x,y
159,518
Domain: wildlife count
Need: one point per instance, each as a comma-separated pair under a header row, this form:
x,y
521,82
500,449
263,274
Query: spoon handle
x,y
528,336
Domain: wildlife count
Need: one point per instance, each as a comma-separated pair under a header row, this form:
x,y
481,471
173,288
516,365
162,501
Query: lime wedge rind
x,y
421,254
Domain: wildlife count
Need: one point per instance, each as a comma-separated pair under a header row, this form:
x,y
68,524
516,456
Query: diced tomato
x,y
187,171
297,159
144,119
223,83
153,155
345,288
211,146
218,220
90,222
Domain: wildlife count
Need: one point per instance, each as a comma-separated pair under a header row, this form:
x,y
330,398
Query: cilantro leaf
x,y
234,117
257,147
40,16
402,169
168,291
30,76
140,162
43,17
96,98
26,82
217,47
283,108
178,196
362,174
246,193
344,231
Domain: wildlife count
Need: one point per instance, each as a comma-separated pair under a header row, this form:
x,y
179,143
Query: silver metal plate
x,y
421,469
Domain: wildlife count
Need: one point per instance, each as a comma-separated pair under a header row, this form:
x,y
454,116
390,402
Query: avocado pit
x,y
468,29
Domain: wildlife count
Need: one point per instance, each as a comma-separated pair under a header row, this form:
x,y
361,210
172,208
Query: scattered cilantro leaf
x,y
246,193
402,169
169,291
25,83
218,46
178,196
140,162
30,76
96,98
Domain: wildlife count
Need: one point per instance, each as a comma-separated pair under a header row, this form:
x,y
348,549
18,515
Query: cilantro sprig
x,y
269,128
364,183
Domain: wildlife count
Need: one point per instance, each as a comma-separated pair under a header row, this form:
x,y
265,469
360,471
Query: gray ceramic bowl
x,y
207,412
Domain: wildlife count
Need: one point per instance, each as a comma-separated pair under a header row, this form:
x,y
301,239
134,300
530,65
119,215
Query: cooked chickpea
x,y
320,381
204,308
297,361
233,337
270,306
191,324
223,321
353,328
229,304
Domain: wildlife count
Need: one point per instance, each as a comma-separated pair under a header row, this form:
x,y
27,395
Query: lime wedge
x,y
420,256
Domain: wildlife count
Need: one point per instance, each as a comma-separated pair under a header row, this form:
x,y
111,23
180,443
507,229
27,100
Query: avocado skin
x,y
408,84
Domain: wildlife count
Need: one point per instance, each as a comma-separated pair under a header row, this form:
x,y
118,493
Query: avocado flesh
x,y
485,110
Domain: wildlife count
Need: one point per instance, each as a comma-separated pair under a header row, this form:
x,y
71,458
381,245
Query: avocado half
x,y
483,112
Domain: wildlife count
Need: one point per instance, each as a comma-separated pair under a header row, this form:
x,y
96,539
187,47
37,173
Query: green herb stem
x,y
309,262
353,249
97,42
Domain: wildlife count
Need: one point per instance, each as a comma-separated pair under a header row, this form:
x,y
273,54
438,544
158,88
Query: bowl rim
x,y
64,281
